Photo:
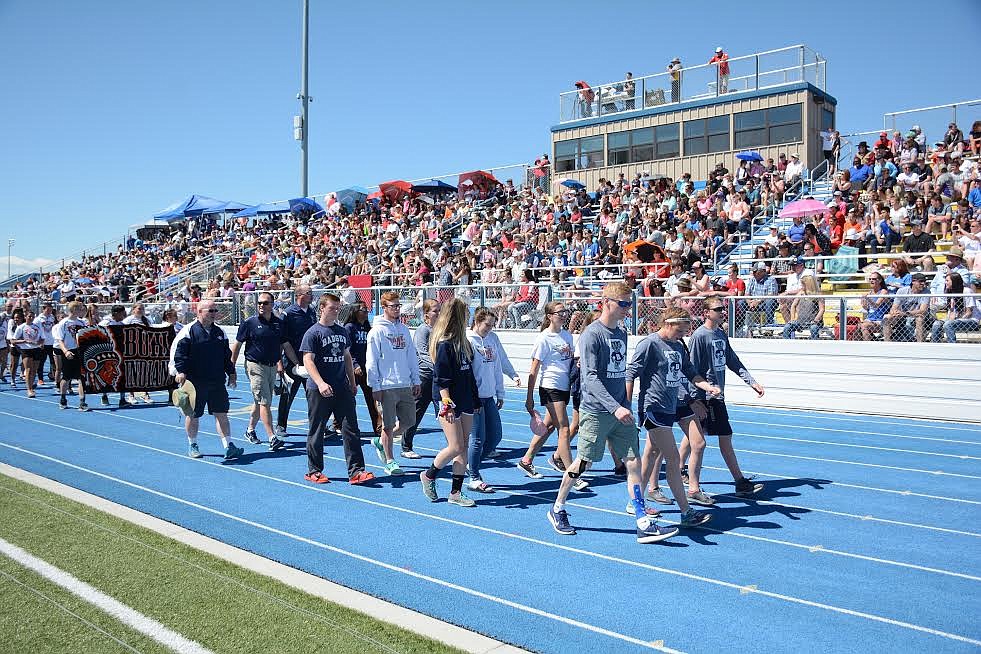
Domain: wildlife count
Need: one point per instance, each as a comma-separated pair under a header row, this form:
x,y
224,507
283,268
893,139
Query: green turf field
x,y
217,604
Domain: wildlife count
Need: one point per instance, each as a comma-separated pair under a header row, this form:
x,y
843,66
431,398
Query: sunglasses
x,y
264,302
623,304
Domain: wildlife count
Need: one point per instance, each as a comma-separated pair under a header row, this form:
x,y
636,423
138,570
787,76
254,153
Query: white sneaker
x,y
580,484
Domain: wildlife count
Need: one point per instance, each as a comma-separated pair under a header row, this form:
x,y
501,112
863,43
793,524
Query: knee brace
x,y
573,472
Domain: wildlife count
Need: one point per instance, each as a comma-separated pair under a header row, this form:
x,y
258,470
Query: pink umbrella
x,y
803,208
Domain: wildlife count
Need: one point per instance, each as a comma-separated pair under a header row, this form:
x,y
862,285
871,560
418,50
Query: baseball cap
x,y
759,265
718,49
918,277
798,261
916,223
955,252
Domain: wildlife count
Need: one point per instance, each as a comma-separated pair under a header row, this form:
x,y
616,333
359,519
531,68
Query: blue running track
x,y
865,537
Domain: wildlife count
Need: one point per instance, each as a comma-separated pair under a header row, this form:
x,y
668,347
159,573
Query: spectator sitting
x,y
761,291
910,316
806,311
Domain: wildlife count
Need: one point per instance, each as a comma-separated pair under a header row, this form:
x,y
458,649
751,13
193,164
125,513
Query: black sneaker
x,y
251,436
276,444
123,403
105,400
620,472
82,406
746,487
684,475
557,464
63,403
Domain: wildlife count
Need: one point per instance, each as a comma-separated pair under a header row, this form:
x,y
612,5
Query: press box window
x,y
666,141
706,135
565,155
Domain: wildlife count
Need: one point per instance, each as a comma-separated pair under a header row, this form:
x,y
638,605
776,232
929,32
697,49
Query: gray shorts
x,y
262,379
596,428
398,404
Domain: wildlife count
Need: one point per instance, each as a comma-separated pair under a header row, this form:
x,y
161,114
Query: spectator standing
x,y
393,375
629,90
675,71
586,97
298,318
263,337
721,60
330,387
201,356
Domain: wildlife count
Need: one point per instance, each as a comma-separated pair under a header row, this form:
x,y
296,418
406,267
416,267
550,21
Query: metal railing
x,y
758,71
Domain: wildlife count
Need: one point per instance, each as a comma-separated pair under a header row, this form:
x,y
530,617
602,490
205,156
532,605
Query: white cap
x,y
718,49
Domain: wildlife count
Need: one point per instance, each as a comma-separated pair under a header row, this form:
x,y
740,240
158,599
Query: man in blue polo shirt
x,y
299,317
795,234
263,336
859,173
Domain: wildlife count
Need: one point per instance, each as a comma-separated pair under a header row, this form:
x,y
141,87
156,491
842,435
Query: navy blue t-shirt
x,y
296,322
328,344
263,339
359,342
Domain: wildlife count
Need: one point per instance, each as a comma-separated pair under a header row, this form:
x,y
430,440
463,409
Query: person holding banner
x,y
263,337
298,318
27,338
116,315
137,316
201,356
64,335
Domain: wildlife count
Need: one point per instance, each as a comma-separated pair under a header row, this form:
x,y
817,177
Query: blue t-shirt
x,y
661,366
328,344
296,322
359,342
263,339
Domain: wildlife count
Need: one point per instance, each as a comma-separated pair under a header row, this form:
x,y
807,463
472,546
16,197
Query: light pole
x,y
10,244
301,126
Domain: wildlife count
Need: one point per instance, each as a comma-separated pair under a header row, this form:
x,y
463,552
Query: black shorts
x,y
575,387
549,395
716,423
655,419
33,354
212,396
71,368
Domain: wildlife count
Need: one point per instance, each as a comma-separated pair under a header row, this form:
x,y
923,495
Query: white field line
x,y
134,619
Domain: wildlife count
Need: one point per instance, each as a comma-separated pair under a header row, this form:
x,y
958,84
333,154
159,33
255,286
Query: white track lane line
x,y
130,617
742,589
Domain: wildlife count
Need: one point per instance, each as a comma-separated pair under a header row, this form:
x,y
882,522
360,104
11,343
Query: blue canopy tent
x,y
261,209
225,207
434,187
196,205
304,205
351,197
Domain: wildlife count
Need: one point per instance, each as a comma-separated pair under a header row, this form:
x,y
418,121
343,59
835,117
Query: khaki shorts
x,y
596,428
398,404
262,379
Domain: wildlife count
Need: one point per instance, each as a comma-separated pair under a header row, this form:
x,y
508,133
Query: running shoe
x,y
105,400
580,484
252,437
745,487
317,477
233,451
494,454
655,495
648,510
361,477
556,464
82,406
480,486
276,444
529,470
379,449
392,468
693,518
123,403
31,394
193,451
428,487
700,497
147,399
651,533
397,438
63,403
620,472
409,454
560,522
684,475
280,432
460,499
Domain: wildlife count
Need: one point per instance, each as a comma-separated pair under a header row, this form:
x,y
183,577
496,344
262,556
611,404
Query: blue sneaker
x,y
233,451
693,518
649,532
560,522
193,451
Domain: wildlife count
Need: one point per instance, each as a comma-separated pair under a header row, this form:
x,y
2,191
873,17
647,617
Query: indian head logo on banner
x,y
125,358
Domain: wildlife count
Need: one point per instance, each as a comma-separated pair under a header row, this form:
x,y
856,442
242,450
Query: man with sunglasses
x,y
711,354
298,318
202,356
605,412
263,336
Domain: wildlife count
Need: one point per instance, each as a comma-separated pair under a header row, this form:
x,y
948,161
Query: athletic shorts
x,y
34,353
716,423
71,368
214,397
550,395
575,387
398,405
457,412
655,419
262,379
595,429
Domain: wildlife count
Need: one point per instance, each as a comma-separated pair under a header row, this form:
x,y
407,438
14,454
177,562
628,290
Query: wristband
x,y
446,408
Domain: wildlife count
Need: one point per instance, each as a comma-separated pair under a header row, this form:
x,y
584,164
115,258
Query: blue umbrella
x,y
573,184
350,198
749,155
434,187
301,205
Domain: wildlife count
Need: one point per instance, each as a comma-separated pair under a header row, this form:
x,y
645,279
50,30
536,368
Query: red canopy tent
x,y
480,180
395,190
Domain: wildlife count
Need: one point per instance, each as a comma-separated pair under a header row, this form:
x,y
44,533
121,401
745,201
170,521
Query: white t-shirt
x,y
46,324
4,324
66,330
555,353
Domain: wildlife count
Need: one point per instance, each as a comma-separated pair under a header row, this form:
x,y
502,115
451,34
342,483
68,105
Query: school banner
x,y
125,358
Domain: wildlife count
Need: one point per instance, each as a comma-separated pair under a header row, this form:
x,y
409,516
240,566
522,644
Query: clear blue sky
x,y
113,110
